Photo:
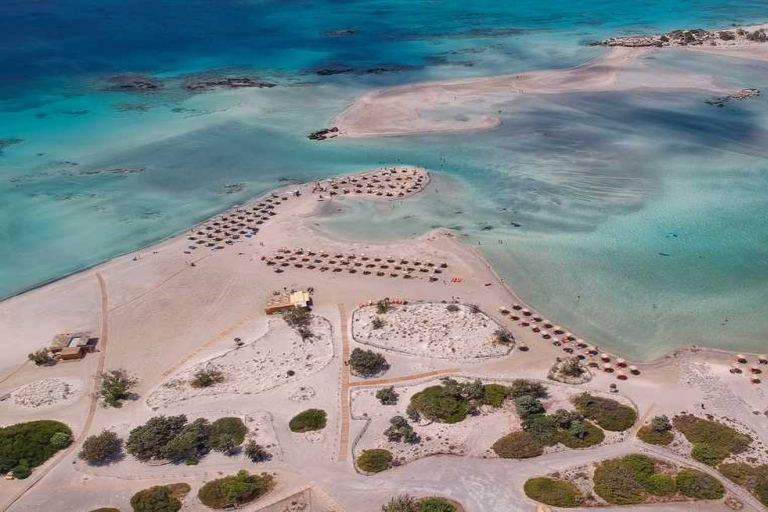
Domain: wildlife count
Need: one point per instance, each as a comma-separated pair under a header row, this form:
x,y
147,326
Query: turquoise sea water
x,y
637,219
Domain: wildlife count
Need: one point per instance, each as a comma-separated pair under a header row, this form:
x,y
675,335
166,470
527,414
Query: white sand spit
x,y
429,329
277,358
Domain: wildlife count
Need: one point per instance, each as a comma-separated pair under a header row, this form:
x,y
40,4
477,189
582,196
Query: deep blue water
x,y
596,182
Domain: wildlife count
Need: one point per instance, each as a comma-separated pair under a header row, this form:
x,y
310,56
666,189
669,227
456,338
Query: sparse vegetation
x,y
659,431
518,445
377,323
374,461
522,387
550,491
160,498
572,367
494,394
452,308
116,386
712,441
235,490
300,320
387,396
102,448
367,363
206,377
699,485
42,357
311,419
256,452
752,478
609,414
24,446
503,337
383,306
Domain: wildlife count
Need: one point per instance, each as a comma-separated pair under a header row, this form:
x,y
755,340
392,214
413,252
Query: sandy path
x,y
39,474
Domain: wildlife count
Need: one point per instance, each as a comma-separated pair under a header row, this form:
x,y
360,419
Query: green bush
x,y
42,357
190,444
387,396
609,414
527,406
402,503
226,433
557,493
256,452
235,490
439,403
367,363
24,446
699,485
712,441
618,484
21,471
522,387
660,485
494,394
311,419
116,386
648,435
102,448
543,428
584,437
435,504
61,440
518,445
160,498
752,478
106,509
375,460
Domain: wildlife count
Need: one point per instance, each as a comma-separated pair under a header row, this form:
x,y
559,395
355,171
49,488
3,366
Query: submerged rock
x,y
133,83
227,82
325,133
11,141
344,32
740,95
693,37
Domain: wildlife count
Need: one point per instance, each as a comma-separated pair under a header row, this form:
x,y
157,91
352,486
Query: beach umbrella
x,y
762,359
605,357
522,346
621,376
545,334
621,362
741,358
634,370
755,369
516,306
607,367
754,380
735,368
558,329
580,343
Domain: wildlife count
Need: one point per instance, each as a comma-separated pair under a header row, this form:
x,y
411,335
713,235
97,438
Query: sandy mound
x,y
279,357
429,329
44,393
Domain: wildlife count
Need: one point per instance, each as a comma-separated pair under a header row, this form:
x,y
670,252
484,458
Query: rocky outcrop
x,y
736,36
227,82
325,133
344,32
740,95
133,83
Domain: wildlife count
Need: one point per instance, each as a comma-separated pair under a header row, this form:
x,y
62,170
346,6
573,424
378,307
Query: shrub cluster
x,y
400,430
256,452
24,446
451,401
712,441
609,414
659,431
173,438
407,503
367,363
306,421
299,319
550,491
633,479
518,445
42,357
160,498
101,448
375,460
235,490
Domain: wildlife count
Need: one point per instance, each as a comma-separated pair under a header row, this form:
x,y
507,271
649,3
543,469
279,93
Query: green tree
x,y
149,441
367,363
101,448
527,405
116,386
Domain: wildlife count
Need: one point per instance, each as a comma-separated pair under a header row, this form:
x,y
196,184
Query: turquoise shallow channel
x,y
636,219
